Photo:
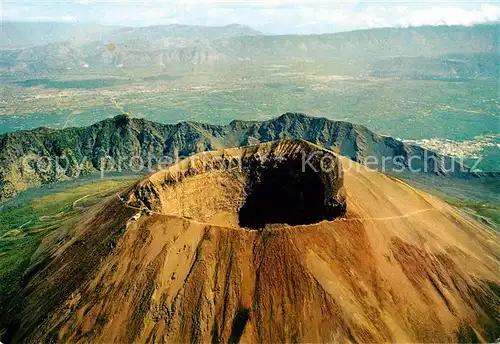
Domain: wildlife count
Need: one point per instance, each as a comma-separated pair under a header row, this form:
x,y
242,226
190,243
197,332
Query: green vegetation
x,y
402,107
69,84
161,77
485,210
23,227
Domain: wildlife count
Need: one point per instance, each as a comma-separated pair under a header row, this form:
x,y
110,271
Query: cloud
x,y
273,16
452,16
64,18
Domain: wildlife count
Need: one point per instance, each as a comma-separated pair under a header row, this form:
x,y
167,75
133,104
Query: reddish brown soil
x,y
399,266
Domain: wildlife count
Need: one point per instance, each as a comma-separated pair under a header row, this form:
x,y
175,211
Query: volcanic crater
x,y
286,182
175,258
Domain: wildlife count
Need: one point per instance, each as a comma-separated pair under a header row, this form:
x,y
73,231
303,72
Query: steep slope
x,y
122,142
157,263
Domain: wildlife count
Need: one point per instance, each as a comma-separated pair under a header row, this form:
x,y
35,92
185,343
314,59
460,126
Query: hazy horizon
x,y
496,22
269,17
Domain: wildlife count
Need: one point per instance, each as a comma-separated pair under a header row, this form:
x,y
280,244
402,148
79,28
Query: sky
x,y
271,17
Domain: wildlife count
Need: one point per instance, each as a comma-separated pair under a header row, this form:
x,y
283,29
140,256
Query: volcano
x,y
279,242
286,182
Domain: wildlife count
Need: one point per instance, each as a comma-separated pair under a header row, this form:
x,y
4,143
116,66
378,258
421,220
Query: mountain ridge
x,y
113,143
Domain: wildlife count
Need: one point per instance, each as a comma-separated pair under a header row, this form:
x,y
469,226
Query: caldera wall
x,y
286,182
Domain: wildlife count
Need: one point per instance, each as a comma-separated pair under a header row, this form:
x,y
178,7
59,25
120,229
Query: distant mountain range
x,y
39,47
76,151
16,35
26,35
56,47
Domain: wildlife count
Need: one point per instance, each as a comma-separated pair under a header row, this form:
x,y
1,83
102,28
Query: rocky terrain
x,y
203,252
33,158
